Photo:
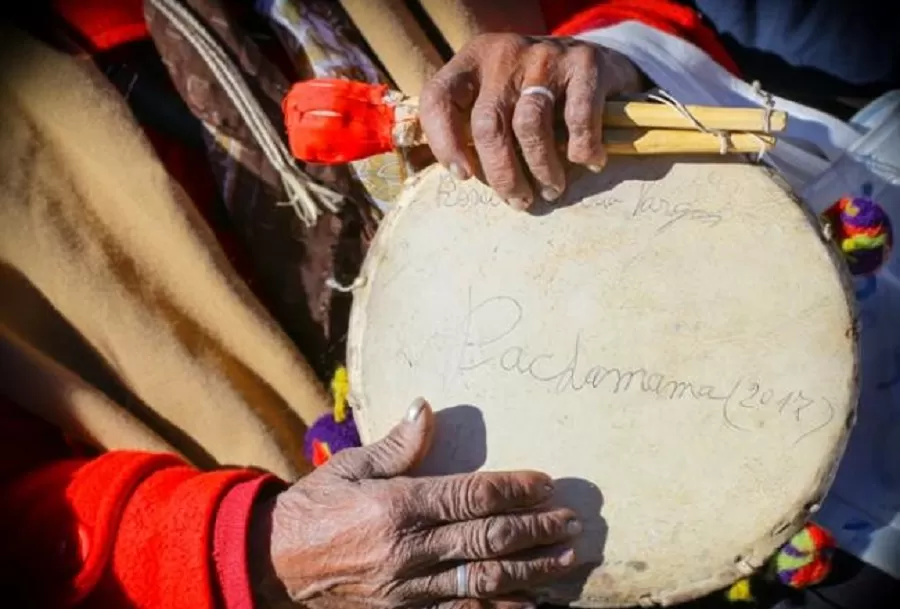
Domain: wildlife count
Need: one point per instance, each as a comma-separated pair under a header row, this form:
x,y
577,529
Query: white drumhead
x,y
673,342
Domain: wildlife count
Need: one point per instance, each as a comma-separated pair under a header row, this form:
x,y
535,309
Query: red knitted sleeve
x,y
573,17
124,529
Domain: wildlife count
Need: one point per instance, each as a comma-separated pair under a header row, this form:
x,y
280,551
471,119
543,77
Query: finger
x,y
444,107
473,603
491,578
472,496
499,536
495,144
395,454
583,112
532,121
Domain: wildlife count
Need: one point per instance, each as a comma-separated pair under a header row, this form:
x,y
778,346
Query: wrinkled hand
x,y
481,89
357,533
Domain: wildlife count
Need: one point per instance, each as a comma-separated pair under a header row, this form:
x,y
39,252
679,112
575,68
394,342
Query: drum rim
x,y
746,562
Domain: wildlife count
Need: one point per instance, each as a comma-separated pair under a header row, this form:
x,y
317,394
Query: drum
x,y
674,342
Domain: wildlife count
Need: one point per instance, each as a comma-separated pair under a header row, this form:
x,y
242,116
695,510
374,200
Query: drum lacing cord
x,y
335,285
768,109
304,195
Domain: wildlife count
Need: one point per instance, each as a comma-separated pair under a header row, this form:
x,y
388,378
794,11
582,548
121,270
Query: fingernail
x,y
519,204
549,193
573,527
599,164
548,489
412,414
566,558
458,172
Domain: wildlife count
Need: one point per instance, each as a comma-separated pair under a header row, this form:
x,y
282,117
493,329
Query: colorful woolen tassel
x,y
335,431
740,592
863,231
806,559
803,561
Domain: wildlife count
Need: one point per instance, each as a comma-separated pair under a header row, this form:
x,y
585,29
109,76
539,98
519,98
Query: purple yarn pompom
x,y
337,436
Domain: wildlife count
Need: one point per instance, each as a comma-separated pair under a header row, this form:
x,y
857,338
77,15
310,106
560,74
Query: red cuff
x,y
124,530
103,495
164,550
230,542
664,15
61,521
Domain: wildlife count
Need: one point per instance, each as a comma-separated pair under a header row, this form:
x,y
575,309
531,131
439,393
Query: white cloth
x,y
822,159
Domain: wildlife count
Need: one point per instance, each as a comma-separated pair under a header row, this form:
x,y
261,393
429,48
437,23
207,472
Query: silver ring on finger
x,y
462,581
539,90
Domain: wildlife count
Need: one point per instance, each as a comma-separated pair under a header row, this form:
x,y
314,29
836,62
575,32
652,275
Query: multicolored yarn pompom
x,y
863,231
806,559
335,431
803,561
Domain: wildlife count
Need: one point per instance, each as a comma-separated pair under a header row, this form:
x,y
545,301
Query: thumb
x,y
398,452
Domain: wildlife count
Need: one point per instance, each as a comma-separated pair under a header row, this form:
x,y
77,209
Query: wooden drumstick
x,y
669,141
337,121
663,116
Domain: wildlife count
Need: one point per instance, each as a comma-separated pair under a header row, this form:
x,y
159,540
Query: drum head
x,y
673,342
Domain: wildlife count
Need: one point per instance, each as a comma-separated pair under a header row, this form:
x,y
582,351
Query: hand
x,y
482,87
357,533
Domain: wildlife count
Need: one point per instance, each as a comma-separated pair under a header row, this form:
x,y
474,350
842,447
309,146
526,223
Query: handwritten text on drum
x,y
746,405
647,204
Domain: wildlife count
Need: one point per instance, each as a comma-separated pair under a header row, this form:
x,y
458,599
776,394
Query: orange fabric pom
x,y
332,121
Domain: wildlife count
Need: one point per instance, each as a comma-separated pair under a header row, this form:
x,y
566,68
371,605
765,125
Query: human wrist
x,y
267,588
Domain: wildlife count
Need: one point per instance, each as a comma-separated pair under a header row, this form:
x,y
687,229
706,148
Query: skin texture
x,y
515,147
359,533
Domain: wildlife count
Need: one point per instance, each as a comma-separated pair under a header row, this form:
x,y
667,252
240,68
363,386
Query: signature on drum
x,y
647,204
746,405
451,193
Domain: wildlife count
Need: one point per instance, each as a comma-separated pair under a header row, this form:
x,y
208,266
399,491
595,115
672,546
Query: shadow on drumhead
x,y
460,442
583,183
586,499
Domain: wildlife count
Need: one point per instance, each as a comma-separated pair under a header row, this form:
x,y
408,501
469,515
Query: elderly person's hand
x,y
359,533
509,90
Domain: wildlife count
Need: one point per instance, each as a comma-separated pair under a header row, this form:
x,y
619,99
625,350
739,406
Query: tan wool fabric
x,y
121,317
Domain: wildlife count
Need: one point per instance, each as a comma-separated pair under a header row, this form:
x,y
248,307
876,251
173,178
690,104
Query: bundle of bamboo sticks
x,y
336,121
642,128
658,128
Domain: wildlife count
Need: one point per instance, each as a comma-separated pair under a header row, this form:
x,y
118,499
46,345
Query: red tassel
x,y
332,121
321,453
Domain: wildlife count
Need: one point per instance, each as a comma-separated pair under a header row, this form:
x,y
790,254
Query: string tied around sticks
x,y
664,97
768,110
768,105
